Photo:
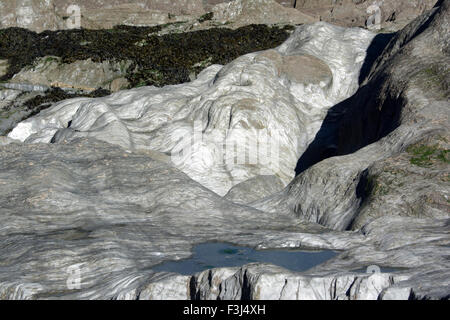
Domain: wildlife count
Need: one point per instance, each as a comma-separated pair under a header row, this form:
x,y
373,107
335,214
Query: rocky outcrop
x,y
80,61
253,100
88,220
91,201
244,12
36,15
414,183
40,15
393,14
254,189
268,282
399,103
18,101
83,75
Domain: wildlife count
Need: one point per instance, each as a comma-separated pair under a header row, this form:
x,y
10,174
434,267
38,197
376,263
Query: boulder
x,y
84,75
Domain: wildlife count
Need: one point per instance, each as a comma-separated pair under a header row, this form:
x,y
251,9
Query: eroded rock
x,y
83,75
243,103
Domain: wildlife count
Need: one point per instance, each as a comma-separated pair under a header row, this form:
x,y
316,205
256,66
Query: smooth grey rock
x,y
92,199
83,75
254,189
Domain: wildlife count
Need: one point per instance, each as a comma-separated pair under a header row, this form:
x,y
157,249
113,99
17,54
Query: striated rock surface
x,y
19,101
401,102
414,183
91,201
255,99
94,219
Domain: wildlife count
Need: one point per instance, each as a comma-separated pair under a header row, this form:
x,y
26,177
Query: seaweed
x,y
206,17
156,59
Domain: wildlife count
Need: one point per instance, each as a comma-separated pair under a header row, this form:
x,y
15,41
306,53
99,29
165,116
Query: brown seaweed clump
x,y
156,59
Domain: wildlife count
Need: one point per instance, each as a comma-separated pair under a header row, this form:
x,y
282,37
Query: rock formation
x,y
400,102
94,192
279,94
393,14
40,15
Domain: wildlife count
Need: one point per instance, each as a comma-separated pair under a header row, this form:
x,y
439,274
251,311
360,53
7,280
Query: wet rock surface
x,y
91,200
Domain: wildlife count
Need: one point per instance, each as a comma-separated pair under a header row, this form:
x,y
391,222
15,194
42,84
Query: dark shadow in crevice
x,y
376,47
373,112
369,115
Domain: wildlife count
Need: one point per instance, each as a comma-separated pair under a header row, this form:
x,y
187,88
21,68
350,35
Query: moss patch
x,y
156,60
376,187
426,155
435,77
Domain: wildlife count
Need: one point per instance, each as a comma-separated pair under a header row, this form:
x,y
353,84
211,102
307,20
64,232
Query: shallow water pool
x,y
219,254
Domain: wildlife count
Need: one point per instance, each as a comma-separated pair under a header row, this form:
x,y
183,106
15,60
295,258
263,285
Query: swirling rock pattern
x,y
90,200
282,93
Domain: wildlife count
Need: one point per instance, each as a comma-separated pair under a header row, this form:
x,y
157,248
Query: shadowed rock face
x,y
109,210
401,102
